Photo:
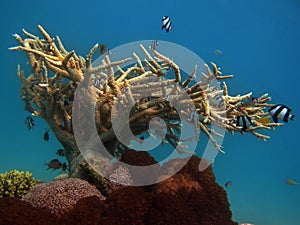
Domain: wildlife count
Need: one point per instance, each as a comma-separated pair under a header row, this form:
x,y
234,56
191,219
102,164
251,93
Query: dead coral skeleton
x,y
48,92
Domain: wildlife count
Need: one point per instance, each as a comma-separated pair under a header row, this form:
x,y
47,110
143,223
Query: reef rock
x,y
17,212
188,197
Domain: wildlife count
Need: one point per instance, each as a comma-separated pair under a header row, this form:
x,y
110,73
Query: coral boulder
x,y
61,196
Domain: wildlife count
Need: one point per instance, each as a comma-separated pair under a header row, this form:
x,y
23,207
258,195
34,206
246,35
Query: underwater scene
x,y
150,112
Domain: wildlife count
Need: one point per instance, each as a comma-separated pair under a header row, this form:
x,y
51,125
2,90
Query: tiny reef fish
x,y
243,121
228,184
56,164
29,122
218,52
281,112
103,49
166,23
46,135
290,182
251,102
60,152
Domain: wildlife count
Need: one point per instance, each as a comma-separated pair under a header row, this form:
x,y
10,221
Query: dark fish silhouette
x,y
142,139
66,102
56,164
251,102
46,135
60,152
103,49
228,184
29,122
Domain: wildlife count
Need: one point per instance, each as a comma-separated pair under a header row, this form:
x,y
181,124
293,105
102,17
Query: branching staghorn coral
x,y
49,90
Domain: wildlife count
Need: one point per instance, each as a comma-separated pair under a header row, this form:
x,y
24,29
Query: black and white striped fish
x,y
243,121
281,112
166,23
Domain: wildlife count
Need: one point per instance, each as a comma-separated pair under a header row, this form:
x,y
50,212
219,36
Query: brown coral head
x,y
60,196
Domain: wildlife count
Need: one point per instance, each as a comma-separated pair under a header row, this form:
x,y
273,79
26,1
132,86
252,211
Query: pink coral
x,y
61,196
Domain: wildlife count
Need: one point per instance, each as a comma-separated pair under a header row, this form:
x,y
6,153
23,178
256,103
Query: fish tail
x,y
293,117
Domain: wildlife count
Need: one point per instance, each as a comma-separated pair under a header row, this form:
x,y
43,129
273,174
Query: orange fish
x,y
264,120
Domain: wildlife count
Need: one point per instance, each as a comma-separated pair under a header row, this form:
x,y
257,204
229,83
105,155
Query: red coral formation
x,y
188,197
60,196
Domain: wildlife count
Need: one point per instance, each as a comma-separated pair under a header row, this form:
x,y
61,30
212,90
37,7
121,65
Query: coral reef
x,y
189,197
48,92
16,183
61,195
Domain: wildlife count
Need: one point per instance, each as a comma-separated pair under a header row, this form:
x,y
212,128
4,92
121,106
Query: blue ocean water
x,y
260,45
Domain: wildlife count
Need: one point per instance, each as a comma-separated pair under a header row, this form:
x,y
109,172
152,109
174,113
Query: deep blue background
x,y
260,45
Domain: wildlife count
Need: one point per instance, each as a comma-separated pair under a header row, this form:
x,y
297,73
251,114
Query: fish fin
x,y
275,119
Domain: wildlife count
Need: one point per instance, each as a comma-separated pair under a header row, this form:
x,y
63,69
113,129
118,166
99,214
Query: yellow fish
x,y
290,182
264,120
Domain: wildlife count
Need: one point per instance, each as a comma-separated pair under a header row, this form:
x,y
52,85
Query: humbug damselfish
x,y
281,112
166,23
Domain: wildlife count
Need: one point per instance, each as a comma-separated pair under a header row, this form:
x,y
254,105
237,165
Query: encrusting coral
x,y
57,72
61,195
16,183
